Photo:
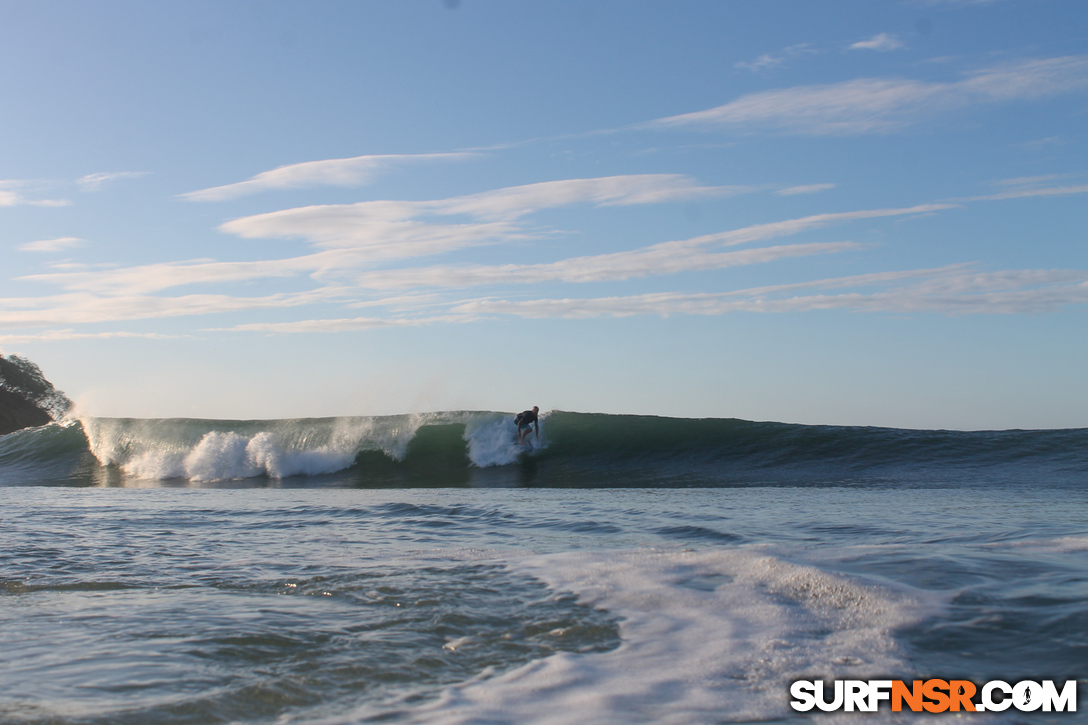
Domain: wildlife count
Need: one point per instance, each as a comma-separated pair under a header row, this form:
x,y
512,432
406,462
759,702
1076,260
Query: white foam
x,y
1062,545
1071,543
154,465
269,457
202,451
160,450
707,636
492,441
220,456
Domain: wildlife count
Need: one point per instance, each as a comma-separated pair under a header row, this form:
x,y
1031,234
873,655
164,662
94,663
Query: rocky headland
x,y
27,399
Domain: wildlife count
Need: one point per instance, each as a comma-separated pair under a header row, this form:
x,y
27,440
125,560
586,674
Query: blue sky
x,y
861,212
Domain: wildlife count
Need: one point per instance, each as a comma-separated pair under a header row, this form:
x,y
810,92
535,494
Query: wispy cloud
x,y
1028,187
95,182
14,198
13,193
763,62
770,230
348,324
806,189
351,243
1022,181
70,334
768,61
351,236
82,308
1043,143
348,237
51,245
881,42
330,172
149,278
881,105
342,262
660,259
950,291
384,230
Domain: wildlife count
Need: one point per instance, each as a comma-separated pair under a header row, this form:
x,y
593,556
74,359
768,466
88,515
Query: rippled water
x,y
508,605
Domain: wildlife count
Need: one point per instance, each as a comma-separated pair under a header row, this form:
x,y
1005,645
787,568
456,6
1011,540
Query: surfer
x,y
525,423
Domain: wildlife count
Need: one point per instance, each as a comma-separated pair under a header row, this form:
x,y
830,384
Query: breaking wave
x,y
574,449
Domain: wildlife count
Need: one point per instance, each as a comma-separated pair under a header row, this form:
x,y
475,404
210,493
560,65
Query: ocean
x,y
621,569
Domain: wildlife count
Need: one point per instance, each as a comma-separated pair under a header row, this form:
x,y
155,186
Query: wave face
x,y
574,450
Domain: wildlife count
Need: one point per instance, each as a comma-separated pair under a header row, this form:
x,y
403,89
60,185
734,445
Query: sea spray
x,y
208,451
166,449
492,441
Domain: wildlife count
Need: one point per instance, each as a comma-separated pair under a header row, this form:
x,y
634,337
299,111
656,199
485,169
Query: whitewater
x,y
427,569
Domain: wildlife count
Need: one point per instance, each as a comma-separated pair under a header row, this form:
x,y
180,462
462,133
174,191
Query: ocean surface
x,y
621,569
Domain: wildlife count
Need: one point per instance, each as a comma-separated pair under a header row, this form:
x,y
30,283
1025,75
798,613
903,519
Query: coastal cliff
x,y
27,399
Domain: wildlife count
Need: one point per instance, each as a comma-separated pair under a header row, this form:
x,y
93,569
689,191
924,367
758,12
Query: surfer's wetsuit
x,y
525,419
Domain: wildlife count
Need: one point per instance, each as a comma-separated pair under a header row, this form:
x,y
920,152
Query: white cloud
x,y
665,258
670,303
954,290
881,105
1042,143
383,230
94,182
1027,190
330,172
82,308
348,240
770,230
859,106
516,201
806,189
949,291
767,61
12,194
415,302
148,278
71,334
350,236
408,237
660,259
351,324
51,245
763,62
1027,80
1032,180
881,42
